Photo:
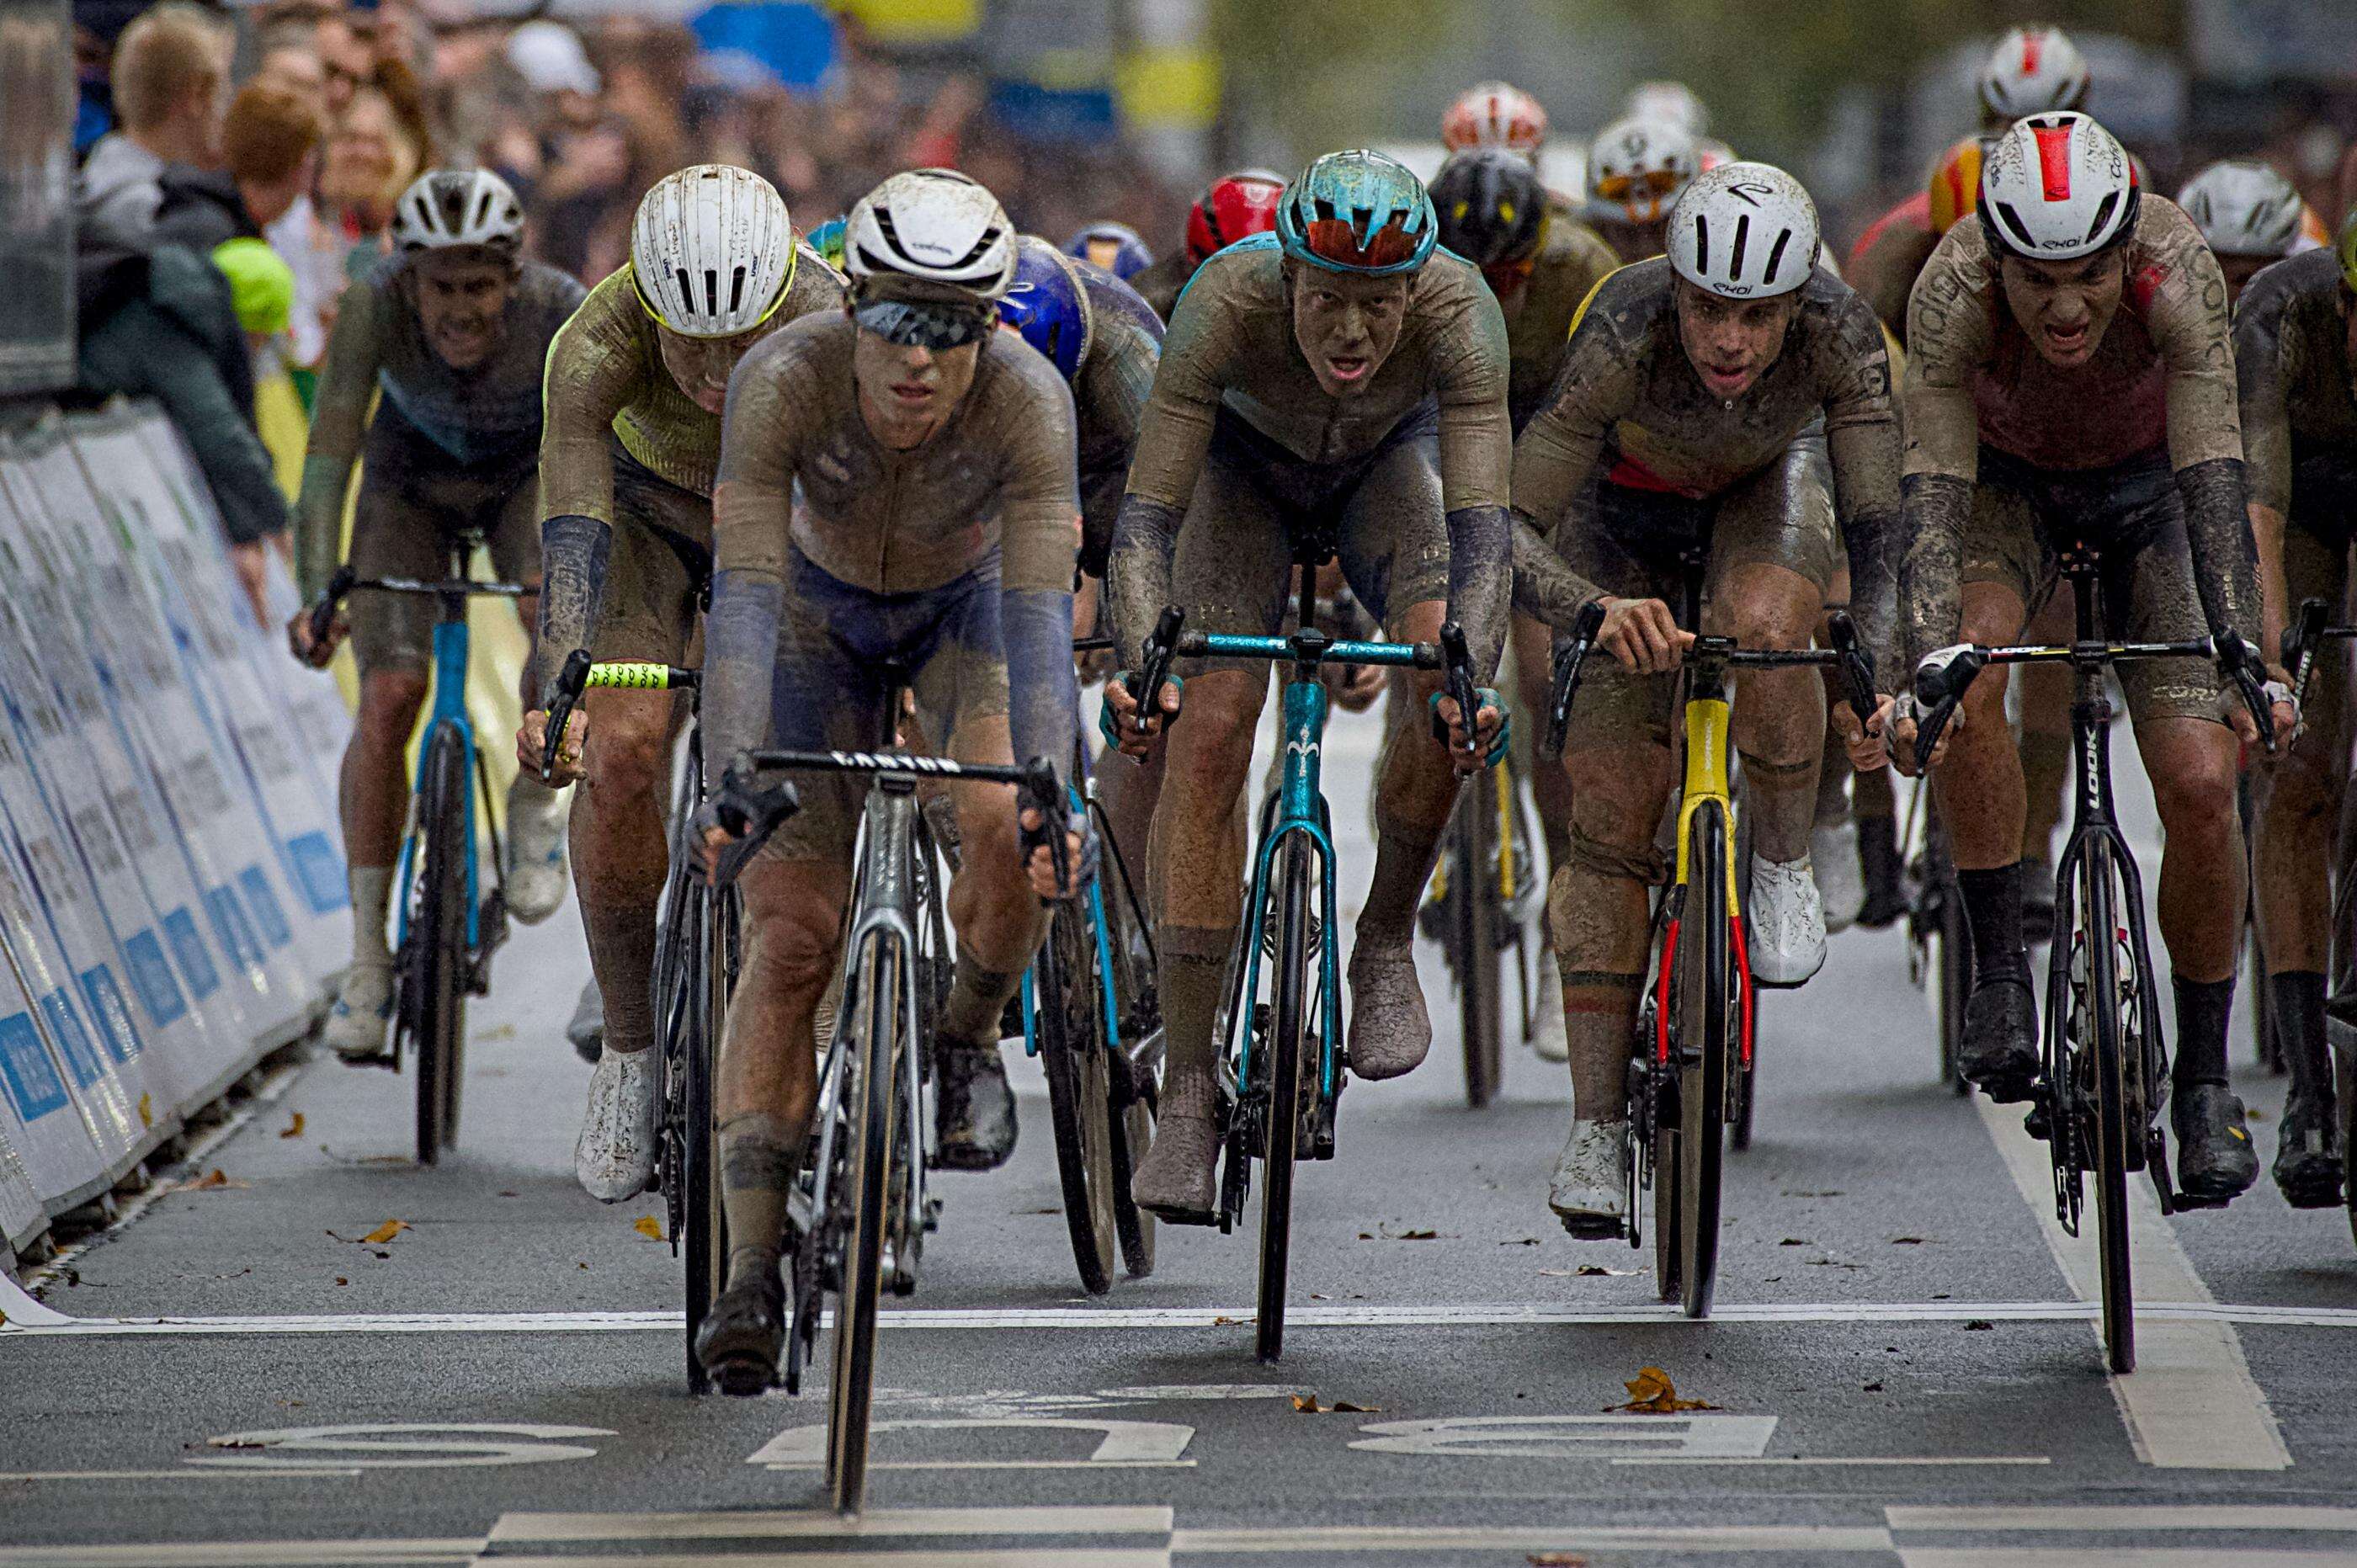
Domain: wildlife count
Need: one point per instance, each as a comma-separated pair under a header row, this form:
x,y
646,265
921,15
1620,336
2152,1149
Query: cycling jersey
x,y
485,420
1540,298
1109,393
1886,258
1629,409
1231,356
805,486
2291,359
2161,377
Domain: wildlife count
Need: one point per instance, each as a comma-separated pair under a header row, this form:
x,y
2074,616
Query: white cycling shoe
x,y
1548,1040
614,1158
1590,1192
1788,922
356,1025
1841,880
535,870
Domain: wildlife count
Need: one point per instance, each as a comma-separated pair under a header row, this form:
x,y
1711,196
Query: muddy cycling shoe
x,y
2216,1161
587,1030
1788,922
2038,900
1841,881
614,1158
744,1334
1879,863
2310,1163
1390,1030
357,1024
2000,1048
535,870
1178,1180
1590,1192
974,1109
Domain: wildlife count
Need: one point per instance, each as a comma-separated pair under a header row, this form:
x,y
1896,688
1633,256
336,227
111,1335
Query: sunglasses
x,y
1334,239
911,324
1655,182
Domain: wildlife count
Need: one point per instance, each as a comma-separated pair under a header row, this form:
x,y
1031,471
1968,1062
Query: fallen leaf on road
x,y
497,1032
234,1443
341,1281
385,1232
1585,1272
1907,1241
214,1181
1650,1393
1795,1242
1872,1388
1222,1321
647,1225
507,1195
293,1129
1308,1403
1556,1560
1525,1242
1979,1322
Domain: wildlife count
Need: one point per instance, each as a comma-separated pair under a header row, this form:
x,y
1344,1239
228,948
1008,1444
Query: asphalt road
x,y
1902,1369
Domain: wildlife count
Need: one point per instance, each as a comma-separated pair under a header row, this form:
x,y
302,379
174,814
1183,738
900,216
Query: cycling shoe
x,y
744,1333
973,1111
2215,1159
2309,1162
2000,1050
1590,1191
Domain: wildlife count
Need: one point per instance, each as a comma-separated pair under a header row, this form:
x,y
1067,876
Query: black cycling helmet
x,y
1490,204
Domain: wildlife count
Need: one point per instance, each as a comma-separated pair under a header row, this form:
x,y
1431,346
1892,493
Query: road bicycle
x,y
1691,1056
2104,1063
1280,1073
1939,936
449,923
1483,897
862,1210
2303,643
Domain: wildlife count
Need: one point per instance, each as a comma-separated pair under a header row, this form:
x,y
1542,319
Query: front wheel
x,y
433,958
1288,1050
2107,1044
704,1222
1068,1022
868,1101
1474,896
1706,999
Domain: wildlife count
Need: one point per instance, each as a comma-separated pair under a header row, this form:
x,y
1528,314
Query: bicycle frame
x,y
452,645
1709,716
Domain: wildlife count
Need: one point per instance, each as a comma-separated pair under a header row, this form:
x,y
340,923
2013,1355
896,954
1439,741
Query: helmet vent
x,y
1776,254
711,291
737,289
1701,244
687,288
1742,239
2102,215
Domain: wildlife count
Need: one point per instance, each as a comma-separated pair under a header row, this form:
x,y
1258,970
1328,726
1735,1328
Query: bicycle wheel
x,y
1068,1016
2344,1078
704,1228
1705,1003
1955,979
869,1102
1296,981
434,966
2108,1046
1473,897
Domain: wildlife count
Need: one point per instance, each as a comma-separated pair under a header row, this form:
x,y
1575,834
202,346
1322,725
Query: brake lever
x,y
1568,661
564,693
1856,664
1457,659
1042,791
2235,658
1145,683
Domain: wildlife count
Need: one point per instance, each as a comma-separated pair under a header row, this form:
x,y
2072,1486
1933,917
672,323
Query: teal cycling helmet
x,y
1358,212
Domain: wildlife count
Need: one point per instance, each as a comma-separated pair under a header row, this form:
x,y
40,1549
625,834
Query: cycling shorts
x,y
413,499
656,571
1631,544
2132,513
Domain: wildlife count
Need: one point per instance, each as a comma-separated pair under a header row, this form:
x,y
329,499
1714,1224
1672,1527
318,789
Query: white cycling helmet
x,y
2055,187
1670,100
2243,208
1637,168
711,250
446,208
1744,230
2033,70
932,232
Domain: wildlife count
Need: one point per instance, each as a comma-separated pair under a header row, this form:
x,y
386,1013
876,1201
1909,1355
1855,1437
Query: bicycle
x,y
1483,897
1691,1056
1940,947
2105,1064
2303,641
448,926
1280,1076
860,1219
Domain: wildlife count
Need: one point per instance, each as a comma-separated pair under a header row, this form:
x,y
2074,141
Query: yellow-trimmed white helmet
x,y
711,250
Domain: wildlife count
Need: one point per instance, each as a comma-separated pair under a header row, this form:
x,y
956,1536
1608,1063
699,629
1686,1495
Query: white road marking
x,y
1041,1520
1021,1557
2192,1403
2118,1557
1571,1436
244,1553
272,1473
417,1447
2125,1516
32,1320
1811,1539
1942,1460
1132,1444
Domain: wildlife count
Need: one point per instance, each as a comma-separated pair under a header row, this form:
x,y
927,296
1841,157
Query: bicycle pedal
x,y
388,1059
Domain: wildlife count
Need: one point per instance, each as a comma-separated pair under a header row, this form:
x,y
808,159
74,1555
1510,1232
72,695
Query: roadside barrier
x,y
172,898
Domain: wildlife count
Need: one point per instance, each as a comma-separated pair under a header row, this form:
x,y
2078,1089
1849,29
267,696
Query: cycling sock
x,y
977,1003
1993,908
1403,861
2203,1007
622,957
760,1158
372,899
1192,974
2298,997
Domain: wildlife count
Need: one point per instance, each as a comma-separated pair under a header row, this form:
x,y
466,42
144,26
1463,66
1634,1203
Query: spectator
x,y
270,142
379,144
170,84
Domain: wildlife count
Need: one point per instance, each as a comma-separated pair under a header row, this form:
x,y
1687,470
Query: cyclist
x,y
1233,207
2069,375
1542,262
2294,358
1733,395
451,328
1114,247
896,486
2251,218
1635,170
1495,114
1681,106
635,385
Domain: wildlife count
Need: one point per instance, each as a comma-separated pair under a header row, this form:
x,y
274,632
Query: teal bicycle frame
x,y
451,649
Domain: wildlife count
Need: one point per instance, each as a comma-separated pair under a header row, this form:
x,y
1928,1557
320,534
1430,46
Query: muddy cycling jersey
x,y
803,480
2292,360
1629,409
1231,351
2161,377
485,420
1887,258
606,383
1540,297
1109,393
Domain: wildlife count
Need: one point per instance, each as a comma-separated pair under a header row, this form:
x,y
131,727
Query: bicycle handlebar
x,y
563,690
1035,782
1855,663
345,583
1939,686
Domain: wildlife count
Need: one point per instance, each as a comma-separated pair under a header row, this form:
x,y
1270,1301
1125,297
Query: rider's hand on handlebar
x,y
1643,635
1863,743
532,742
1041,865
1124,712
2281,708
316,652
1465,758
1899,722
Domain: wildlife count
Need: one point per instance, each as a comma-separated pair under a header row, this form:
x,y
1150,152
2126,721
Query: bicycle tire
x,y
1473,896
705,1238
875,1055
2269,1044
1284,1059
2344,1076
437,942
1705,999
1954,981
1068,1020
1668,1216
1133,1096
2109,1048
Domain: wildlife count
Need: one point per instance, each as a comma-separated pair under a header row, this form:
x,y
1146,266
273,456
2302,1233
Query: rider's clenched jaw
x,y
1731,342
1346,323
2064,307
462,301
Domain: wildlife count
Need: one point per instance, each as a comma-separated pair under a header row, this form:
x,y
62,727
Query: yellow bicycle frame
x,y
1708,724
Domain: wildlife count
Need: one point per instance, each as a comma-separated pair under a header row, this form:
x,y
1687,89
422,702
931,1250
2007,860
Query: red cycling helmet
x,y
1233,207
